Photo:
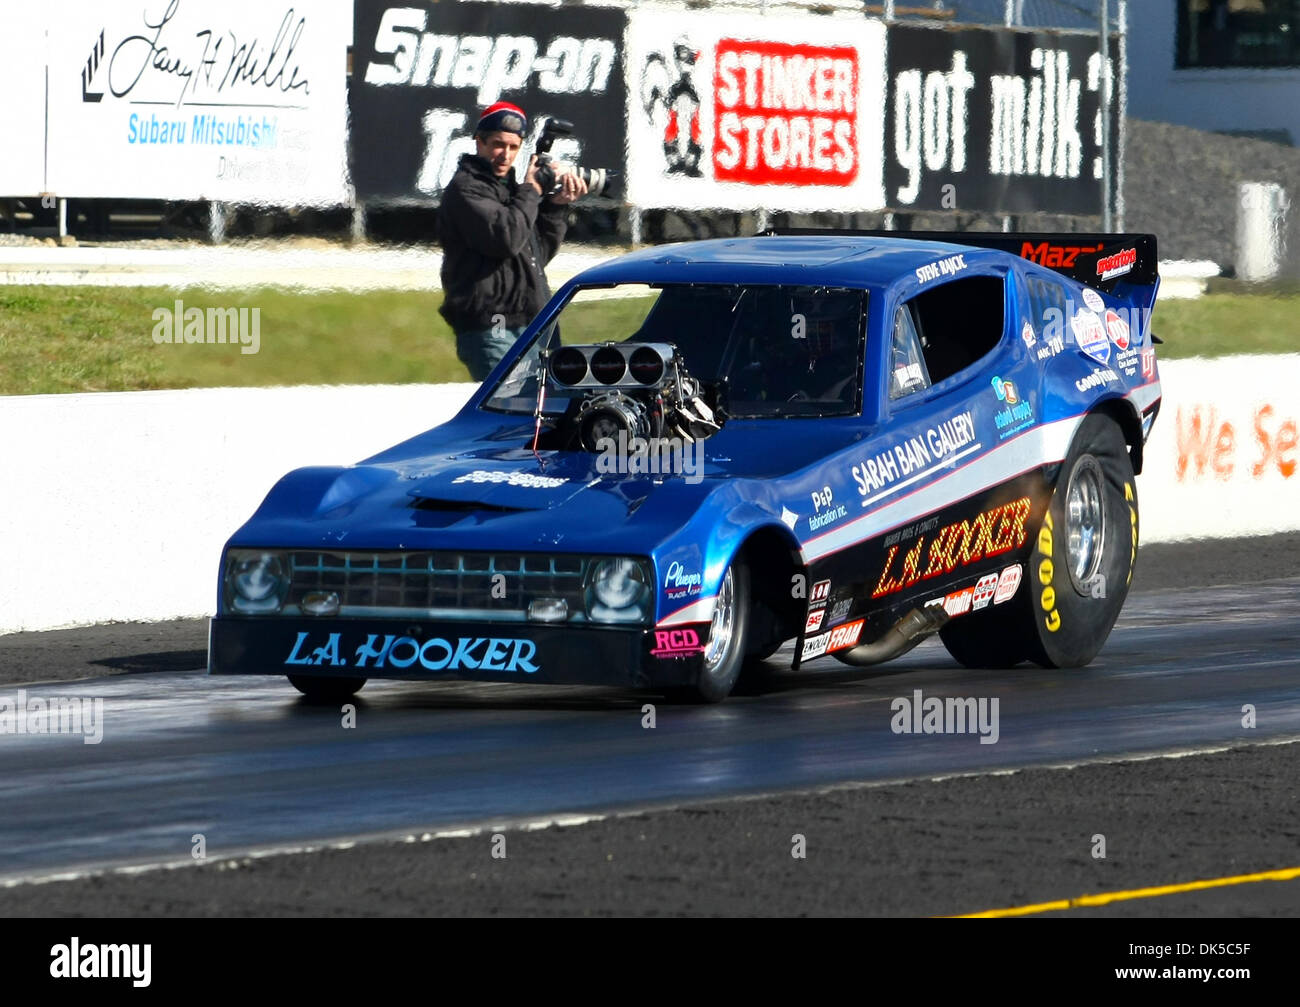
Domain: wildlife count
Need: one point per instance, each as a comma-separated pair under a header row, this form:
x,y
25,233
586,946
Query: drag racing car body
x,y
698,452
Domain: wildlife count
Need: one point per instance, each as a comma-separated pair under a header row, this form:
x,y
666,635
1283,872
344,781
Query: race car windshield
x,y
771,350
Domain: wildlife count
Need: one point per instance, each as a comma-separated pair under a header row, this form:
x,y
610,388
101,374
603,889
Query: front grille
x,y
439,583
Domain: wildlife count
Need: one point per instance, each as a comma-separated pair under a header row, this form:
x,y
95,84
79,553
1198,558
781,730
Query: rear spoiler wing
x,y
1097,260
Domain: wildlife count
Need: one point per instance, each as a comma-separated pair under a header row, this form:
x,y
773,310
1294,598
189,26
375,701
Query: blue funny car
x,y
698,452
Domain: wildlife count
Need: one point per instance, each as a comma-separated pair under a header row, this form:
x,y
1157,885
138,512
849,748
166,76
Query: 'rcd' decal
x,y
992,533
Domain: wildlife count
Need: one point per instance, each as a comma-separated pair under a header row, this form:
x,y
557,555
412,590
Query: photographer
x,y
497,236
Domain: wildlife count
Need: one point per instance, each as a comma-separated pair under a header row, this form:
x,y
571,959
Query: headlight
x,y
256,581
618,590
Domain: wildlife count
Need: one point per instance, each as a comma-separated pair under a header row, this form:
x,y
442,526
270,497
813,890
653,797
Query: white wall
x,y
115,506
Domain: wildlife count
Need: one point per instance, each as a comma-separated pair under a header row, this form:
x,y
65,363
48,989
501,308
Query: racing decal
x,y
955,604
820,594
476,653
1149,363
789,518
676,643
815,646
1005,391
1099,377
845,636
1027,334
908,376
678,583
1118,264
943,267
1046,571
1008,582
1093,299
814,622
840,611
526,479
697,611
1017,415
1090,334
991,533
1055,256
984,589
1053,343
1117,327
826,511
892,469
1041,445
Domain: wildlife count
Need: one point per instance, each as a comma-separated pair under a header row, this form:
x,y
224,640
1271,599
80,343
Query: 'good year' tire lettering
x,y
1046,573
1130,497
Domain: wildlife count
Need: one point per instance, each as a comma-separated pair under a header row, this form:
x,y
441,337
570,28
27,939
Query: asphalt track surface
x,y
598,815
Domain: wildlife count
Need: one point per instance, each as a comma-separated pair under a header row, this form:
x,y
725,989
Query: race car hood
x,y
495,493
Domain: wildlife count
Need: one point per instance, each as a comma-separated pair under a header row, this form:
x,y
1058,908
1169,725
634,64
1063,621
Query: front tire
x,y
326,690
1079,568
724,653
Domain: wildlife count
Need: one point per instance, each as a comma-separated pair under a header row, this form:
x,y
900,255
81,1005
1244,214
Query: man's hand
x,y
530,177
571,188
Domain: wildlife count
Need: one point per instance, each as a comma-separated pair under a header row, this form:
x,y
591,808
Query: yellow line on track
x,y
1283,874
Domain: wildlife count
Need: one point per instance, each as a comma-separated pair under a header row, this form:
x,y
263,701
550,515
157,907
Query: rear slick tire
x,y
1079,568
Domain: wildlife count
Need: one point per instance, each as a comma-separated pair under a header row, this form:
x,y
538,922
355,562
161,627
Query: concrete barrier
x,y
115,506
1221,460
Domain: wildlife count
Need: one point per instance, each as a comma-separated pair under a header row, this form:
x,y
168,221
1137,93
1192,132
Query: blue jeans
x,y
481,350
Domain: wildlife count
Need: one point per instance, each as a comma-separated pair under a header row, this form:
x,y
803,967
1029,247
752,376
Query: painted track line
x,y
1105,898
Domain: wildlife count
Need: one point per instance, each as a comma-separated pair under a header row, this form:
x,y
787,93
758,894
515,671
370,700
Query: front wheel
x,y
724,653
326,690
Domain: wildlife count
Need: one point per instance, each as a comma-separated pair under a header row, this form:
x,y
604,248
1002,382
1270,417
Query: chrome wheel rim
x,y
722,627
1085,522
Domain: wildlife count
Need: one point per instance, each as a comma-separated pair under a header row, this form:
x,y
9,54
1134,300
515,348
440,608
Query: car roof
x,y
841,260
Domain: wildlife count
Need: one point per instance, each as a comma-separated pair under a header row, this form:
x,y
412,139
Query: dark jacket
x,y
497,236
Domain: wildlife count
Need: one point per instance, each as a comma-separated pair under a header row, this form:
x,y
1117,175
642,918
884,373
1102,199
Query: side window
x,y
1047,303
959,322
907,362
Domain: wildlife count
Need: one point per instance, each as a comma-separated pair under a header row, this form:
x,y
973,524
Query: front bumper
x,y
434,651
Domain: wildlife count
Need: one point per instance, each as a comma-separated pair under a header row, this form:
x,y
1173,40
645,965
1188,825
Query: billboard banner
x,y
984,119
22,113
423,70
242,101
739,111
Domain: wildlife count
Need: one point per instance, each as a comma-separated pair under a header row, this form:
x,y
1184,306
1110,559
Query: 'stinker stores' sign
x,y
738,111
423,70
1001,121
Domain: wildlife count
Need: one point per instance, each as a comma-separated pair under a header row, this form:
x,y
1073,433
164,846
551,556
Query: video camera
x,y
598,179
